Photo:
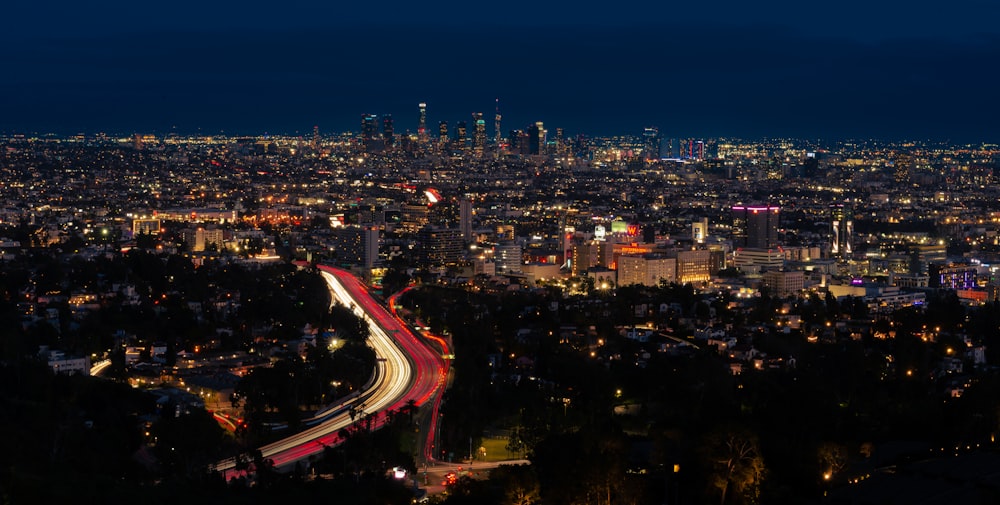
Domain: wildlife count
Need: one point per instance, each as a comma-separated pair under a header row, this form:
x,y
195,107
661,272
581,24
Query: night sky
x,y
825,69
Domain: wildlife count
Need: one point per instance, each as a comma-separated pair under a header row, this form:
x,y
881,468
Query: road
x,y
430,455
432,477
407,370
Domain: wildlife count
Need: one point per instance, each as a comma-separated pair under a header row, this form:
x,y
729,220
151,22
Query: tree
x,y
348,325
832,458
736,465
394,280
519,482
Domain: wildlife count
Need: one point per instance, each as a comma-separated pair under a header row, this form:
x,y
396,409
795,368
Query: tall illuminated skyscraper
x,y
497,138
756,226
369,126
841,231
369,130
387,130
422,124
695,149
479,134
536,138
651,144
443,132
461,135
465,218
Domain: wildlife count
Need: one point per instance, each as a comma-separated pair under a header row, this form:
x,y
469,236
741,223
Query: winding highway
x,y
407,371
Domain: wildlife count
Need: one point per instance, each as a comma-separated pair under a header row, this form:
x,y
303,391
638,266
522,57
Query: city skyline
x,y
210,301
891,73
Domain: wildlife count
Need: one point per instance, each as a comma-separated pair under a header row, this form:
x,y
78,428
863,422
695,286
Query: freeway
x,y
429,453
407,371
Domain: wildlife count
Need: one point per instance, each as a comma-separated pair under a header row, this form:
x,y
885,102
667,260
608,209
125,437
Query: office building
x,y
369,132
646,269
783,283
584,257
841,231
755,261
505,232
145,226
756,226
443,133
699,230
461,136
950,276
651,144
201,239
479,134
694,266
508,258
388,132
439,246
536,138
465,218
358,245
498,140
422,123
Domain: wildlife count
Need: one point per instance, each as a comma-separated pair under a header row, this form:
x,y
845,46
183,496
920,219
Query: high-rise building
x,y
388,132
519,142
369,133
699,230
358,245
315,139
465,218
695,149
367,212
508,258
369,126
756,226
443,132
841,231
646,269
422,123
479,134
461,135
693,266
536,138
369,244
651,144
498,140
201,239
584,256
413,216
439,246
924,255
567,240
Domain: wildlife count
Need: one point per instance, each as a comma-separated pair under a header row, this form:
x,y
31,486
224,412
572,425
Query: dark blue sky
x,y
710,68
